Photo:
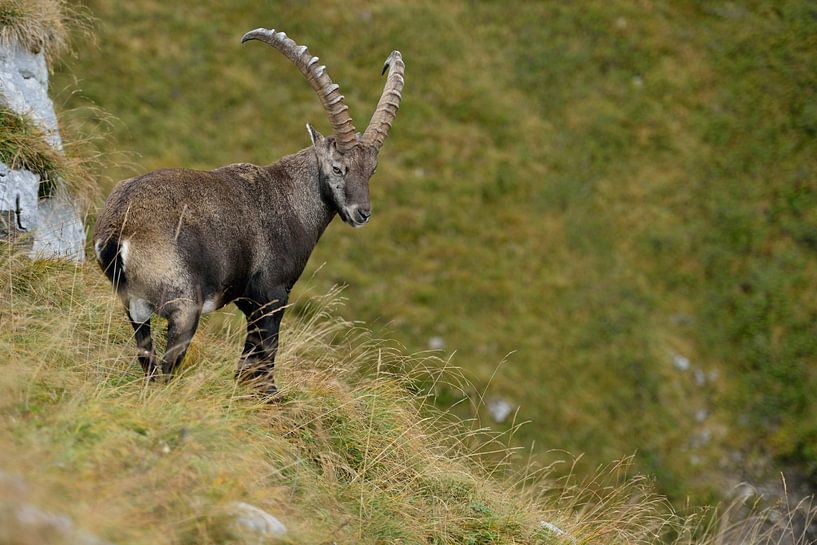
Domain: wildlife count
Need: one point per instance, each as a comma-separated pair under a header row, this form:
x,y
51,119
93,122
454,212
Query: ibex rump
x,y
180,242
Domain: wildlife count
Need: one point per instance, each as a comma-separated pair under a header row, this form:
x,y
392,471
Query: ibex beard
x,y
179,243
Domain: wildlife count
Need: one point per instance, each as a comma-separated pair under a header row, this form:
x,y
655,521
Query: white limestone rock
x,y
553,529
12,483
680,362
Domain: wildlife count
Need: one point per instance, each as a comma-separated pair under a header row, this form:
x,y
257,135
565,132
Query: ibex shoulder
x,y
246,171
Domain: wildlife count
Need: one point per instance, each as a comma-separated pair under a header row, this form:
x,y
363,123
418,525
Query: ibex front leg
x,y
263,326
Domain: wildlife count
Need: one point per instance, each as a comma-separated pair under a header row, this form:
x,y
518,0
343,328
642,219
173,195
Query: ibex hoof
x,y
270,393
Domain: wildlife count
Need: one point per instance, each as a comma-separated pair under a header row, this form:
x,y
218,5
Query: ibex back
x,y
179,243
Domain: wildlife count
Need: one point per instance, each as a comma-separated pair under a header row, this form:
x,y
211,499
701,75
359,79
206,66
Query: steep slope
x,y
621,196
353,453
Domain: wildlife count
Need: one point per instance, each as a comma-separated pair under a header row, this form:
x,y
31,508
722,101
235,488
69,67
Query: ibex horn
x,y
316,75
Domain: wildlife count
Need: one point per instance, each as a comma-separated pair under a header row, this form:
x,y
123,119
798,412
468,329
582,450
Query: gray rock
x,y
30,519
55,222
553,529
680,362
30,516
700,439
34,519
681,319
500,409
24,87
59,232
251,518
12,483
18,196
436,343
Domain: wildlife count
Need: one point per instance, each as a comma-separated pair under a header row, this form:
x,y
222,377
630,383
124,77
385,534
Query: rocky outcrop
x,y
54,221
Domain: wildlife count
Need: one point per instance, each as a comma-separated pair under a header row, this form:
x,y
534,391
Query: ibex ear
x,y
316,137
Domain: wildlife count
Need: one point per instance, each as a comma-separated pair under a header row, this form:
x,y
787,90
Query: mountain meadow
x,y
598,216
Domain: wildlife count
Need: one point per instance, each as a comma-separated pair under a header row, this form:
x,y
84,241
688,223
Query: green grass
x,y
352,453
581,190
349,454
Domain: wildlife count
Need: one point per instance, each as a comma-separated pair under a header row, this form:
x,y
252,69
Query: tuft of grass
x,y
23,145
41,25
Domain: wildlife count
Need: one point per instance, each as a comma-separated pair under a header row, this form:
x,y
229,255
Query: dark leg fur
x,y
144,341
263,327
182,322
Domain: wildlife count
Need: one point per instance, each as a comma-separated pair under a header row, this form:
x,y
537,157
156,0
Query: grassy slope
x,y
594,186
353,453
341,446
349,455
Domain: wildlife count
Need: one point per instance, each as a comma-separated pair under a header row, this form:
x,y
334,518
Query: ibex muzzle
x,y
179,242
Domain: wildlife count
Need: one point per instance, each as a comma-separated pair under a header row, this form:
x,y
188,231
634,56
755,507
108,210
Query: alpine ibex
x,y
179,242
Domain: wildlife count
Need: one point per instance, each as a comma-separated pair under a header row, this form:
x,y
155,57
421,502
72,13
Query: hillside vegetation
x,y
615,198
621,194
347,455
352,453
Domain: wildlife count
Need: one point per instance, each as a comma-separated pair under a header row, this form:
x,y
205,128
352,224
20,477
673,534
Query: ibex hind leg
x,y
144,343
182,322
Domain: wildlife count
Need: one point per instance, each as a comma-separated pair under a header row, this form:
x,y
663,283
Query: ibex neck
x,y
299,177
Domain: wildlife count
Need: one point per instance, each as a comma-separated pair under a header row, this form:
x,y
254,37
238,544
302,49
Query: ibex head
x,y
346,160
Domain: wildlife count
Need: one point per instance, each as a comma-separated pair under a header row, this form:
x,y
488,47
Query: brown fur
x,y
177,239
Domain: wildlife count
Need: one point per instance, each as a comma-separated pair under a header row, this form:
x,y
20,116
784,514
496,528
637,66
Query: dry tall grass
x,y
352,454
41,25
23,145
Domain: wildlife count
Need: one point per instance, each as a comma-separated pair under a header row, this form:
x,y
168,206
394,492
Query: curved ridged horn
x,y
386,110
316,75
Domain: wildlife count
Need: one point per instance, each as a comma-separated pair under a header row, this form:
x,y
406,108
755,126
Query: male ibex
x,y
180,242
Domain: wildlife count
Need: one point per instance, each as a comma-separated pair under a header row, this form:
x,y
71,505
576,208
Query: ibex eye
x,y
337,170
